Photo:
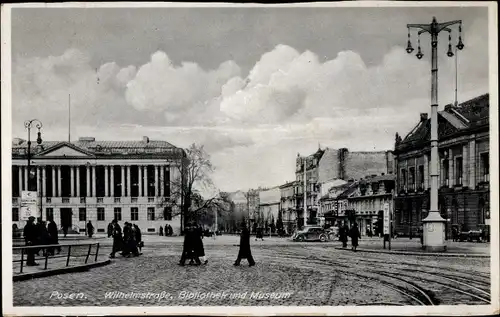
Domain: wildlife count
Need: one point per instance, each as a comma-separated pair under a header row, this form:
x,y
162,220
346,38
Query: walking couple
x,y
193,245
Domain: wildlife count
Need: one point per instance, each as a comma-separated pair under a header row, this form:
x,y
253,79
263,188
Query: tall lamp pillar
x,y
434,224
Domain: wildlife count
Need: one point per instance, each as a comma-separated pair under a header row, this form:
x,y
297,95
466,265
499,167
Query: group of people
x,y
129,242
353,233
168,231
40,233
193,248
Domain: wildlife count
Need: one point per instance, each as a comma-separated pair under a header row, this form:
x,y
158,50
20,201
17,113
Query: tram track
x,y
466,288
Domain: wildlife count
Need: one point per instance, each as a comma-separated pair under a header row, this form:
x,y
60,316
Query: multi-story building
x,y
463,168
269,205
367,201
84,180
288,206
334,203
329,164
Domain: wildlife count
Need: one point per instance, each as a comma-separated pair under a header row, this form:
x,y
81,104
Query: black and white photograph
x,y
255,159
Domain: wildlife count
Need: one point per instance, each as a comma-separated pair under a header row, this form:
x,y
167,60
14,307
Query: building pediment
x,y
64,150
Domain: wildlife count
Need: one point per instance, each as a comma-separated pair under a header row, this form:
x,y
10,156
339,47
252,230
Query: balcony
x,y
117,199
48,200
151,199
83,200
100,200
133,199
65,200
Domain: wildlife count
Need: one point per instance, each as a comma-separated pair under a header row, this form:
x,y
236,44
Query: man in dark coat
x,y
198,245
355,235
90,229
30,237
343,233
53,236
130,244
161,231
110,229
188,250
65,230
138,237
43,235
244,252
116,233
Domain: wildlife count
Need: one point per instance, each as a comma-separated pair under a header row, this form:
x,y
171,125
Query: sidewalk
x,y
57,264
413,247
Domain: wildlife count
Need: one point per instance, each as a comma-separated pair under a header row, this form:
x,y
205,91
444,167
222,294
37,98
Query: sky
x,y
255,86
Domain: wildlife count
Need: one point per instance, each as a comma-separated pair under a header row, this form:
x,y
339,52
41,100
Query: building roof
x,y
385,177
351,189
97,148
453,121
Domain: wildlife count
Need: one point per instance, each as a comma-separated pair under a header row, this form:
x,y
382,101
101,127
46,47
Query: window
x,y
446,173
82,200
411,179
82,214
167,213
485,167
421,176
134,214
15,214
49,213
100,214
151,213
403,179
458,171
118,214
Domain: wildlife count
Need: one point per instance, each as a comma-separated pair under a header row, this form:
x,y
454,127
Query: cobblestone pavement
x,y
286,274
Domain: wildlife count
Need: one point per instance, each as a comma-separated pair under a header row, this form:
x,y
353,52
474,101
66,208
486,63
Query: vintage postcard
x,y
250,159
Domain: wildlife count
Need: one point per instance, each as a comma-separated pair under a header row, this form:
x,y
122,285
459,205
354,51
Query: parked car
x,y
311,234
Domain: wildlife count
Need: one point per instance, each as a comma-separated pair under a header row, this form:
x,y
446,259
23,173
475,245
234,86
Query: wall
x,y
361,164
328,166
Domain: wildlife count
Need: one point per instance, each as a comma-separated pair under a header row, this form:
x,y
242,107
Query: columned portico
x,y
78,181
146,185
112,181
129,192
93,182
140,180
72,178
122,169
106,182
87,172
59,181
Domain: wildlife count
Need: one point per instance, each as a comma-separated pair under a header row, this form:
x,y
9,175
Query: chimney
x,y
423,117
86,139
145,139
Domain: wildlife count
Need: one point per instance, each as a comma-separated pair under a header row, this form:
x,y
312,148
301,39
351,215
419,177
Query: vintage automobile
x,y
311,233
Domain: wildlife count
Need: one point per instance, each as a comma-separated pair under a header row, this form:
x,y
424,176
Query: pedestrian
x,y
188,250
199,249
30,237
161,231
421,233
65,230
169,230
116,233
355,235
259,234
129,242
343,233
138,237
244,252
90,229
53,236
110,229
43,236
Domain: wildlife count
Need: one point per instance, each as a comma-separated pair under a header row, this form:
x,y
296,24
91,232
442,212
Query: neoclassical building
x,y
463,169
134,181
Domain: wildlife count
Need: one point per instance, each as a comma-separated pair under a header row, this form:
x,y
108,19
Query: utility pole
x,y
434,224
305,191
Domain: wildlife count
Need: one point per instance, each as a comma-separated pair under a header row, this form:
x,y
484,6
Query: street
x,y
287,273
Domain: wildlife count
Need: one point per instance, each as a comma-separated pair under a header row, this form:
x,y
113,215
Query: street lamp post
x,y
434,224
28,124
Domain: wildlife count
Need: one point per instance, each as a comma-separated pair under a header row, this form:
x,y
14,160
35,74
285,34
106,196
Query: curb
x,y
452,255
73,269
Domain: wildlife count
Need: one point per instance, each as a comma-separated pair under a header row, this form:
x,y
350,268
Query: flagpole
x,y
69,117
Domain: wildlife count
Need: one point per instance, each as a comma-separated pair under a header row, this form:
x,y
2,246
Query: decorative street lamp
x,y
31,174
434,224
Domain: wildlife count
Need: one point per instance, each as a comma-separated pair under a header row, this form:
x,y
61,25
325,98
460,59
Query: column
x,y
38,180
59,181
451,169
472,164
112,183
426,171
20,175
139,179
94,193
122,168
25,168
465,165
77,181
146,186
157,186
162,180
129,192
54,193
106,183
72,179
87,177
44,181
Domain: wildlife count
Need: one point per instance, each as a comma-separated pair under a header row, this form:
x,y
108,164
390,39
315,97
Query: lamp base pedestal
x,y
434,235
